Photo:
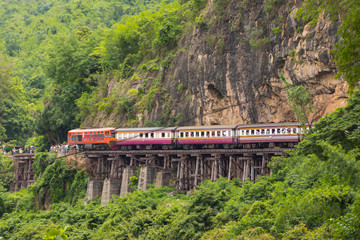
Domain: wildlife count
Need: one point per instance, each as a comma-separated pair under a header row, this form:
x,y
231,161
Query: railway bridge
x,y
23,172
111,170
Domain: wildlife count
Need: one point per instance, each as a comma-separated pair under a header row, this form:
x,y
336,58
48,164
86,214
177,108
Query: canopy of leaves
x,y
15,118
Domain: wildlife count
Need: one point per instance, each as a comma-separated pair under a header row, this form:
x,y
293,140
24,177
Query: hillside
x,y
312,194
82,63
66,64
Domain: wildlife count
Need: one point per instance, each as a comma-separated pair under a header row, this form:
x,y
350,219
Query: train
x,y
187,137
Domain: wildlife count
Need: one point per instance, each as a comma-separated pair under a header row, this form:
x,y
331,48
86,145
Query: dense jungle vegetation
x,y
312,194
56,58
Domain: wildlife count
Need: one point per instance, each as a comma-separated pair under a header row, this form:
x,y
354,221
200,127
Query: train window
x,y
163,135
294,130
202,133
273,131
78,138
197,134
146,135
152,135
213,134
181,134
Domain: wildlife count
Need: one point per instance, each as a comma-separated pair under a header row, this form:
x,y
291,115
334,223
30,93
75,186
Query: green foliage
x,y
53,234
220,6
15,119
134,183
254,38
271,6
220,45
346,51
201,22
42,160
259,43
277,30
86,105
338,128
300,101
6,172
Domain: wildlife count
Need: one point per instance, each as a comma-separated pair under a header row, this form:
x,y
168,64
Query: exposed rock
x,y
229,70
242,84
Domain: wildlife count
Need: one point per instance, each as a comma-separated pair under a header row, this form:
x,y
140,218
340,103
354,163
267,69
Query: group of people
x,y
64,148
14,151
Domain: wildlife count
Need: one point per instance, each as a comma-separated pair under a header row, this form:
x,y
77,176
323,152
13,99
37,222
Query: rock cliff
x,y
236,82
226,69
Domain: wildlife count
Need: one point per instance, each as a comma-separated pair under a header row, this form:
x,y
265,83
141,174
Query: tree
x,y
300,101
15,118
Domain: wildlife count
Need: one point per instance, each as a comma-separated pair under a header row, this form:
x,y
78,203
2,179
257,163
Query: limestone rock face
x,y
226,80
226,69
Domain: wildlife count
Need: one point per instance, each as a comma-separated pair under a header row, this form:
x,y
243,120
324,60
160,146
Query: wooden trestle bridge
x,y
111,170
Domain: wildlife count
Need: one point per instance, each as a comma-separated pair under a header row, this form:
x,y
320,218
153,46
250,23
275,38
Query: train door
x,y
175,137
233,131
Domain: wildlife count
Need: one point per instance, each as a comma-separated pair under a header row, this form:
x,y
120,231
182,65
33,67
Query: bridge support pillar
x,y
125,184
147,176
162,179
94,188
110,187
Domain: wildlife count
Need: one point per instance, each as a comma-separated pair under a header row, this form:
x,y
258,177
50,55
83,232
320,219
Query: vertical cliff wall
x,y
226,70
227,66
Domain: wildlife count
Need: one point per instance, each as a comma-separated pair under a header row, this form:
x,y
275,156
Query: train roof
x,y
92,129
286,124
206,127
259,125
148,129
